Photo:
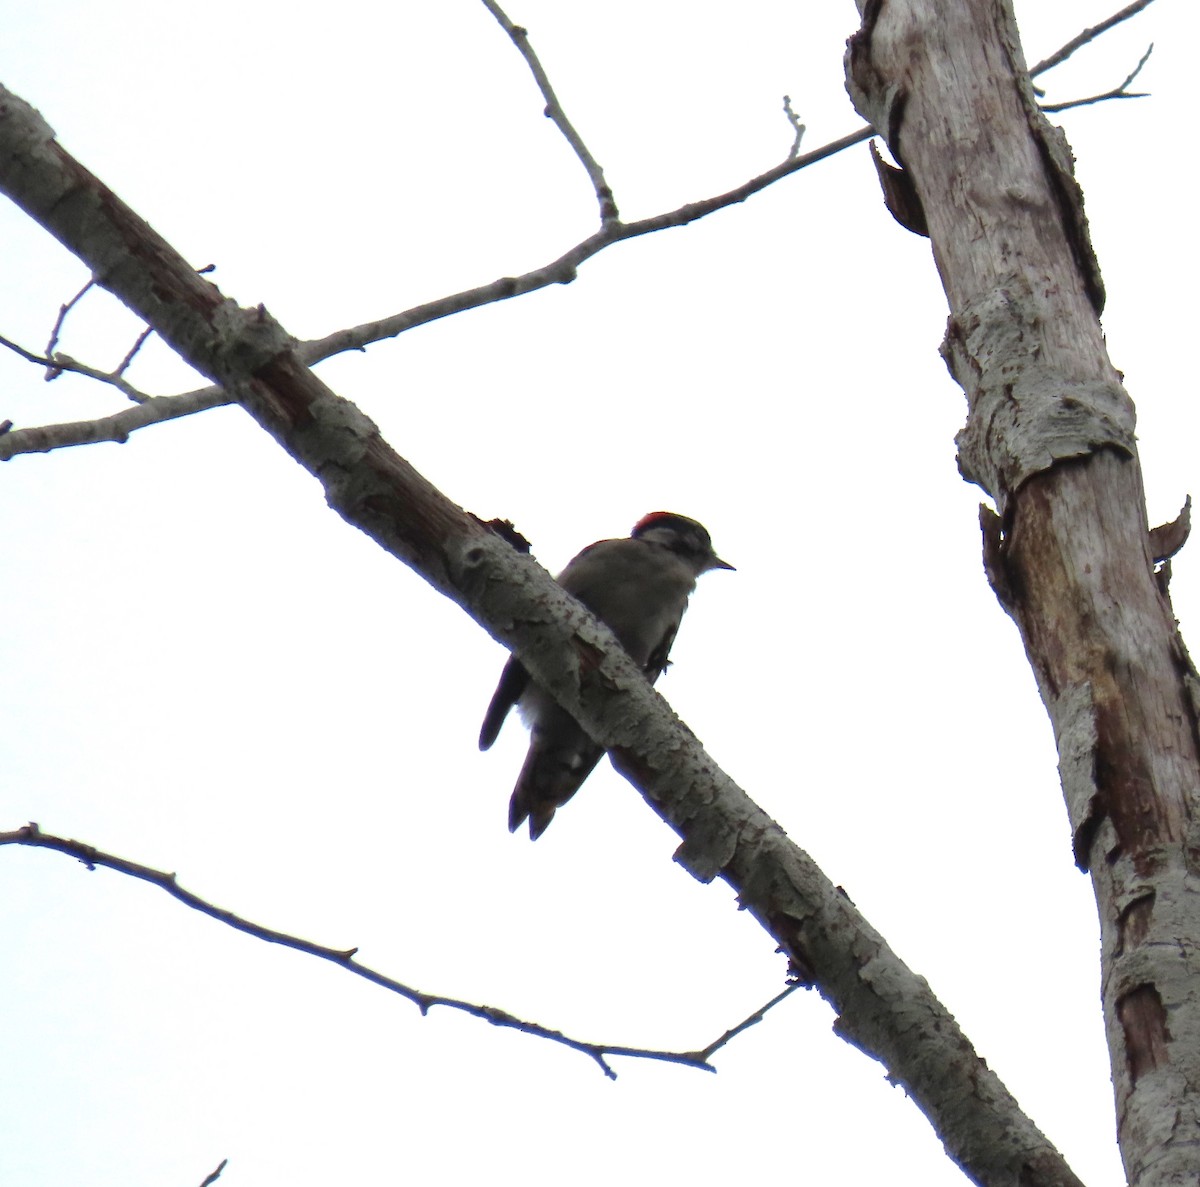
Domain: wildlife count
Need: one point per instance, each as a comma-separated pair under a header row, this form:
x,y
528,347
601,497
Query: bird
x,y
638,586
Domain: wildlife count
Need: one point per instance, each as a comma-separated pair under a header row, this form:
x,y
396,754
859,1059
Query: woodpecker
x,y
638,587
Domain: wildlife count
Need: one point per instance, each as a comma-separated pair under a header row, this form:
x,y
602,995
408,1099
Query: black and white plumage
x,y
638,587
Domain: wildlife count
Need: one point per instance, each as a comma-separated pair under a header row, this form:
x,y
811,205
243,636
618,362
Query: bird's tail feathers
x,y
554,770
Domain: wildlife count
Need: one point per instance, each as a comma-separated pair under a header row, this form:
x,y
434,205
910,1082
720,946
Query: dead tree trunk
x,y
1049,436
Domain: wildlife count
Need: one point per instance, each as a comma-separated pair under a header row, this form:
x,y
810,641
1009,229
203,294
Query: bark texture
x,y
1049,436
883,1007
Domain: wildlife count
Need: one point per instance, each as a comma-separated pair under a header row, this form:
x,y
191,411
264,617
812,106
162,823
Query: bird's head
x,y
681,535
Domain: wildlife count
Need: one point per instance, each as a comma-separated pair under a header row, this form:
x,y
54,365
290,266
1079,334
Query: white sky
x,y
207,671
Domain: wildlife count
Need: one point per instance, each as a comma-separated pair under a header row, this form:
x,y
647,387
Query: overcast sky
x,y
206,671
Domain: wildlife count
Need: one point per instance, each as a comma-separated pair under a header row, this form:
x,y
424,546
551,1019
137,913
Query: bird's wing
x,y
513,682
658,662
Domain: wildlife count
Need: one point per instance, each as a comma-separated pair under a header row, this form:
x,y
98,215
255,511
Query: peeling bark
x,y
1050,437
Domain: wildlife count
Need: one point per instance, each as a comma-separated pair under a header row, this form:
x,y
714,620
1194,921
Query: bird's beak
x,y
718,563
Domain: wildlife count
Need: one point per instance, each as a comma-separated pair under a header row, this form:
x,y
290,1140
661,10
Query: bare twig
x,y
746,1023
31,835
123,366
27,355
554,111
797,127
153,410
1062,54
63,310
1118,92
213,1176
57,364
64,362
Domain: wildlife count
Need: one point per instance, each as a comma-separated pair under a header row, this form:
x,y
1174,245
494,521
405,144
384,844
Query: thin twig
x,y
1118,92
746,1023
59,363
63,310
554,111
797,127
213,1176
123,366
92,857
1061,55
27,355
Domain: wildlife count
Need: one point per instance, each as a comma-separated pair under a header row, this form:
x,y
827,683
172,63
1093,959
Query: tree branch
x,y
746,1023
346,958
554,111
1117,92
884,1008
155,409
63,310
1064,52
798,128
214,1175
117,427
58,363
